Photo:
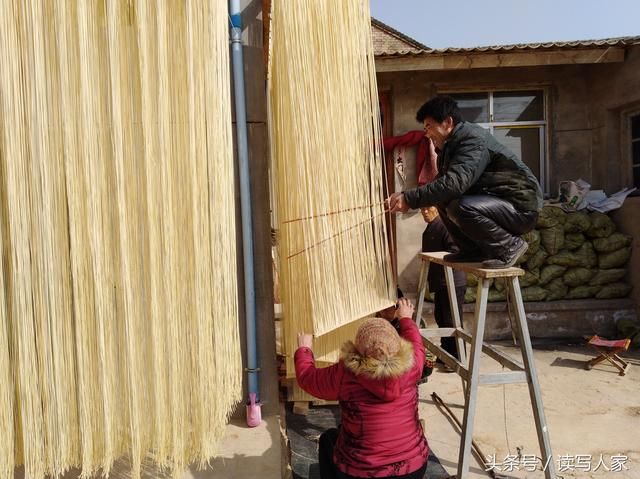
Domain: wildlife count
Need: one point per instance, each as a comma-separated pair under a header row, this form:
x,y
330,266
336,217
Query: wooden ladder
x,y
471,377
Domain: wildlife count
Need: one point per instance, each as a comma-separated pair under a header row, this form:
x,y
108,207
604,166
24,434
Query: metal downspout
x,y
253,407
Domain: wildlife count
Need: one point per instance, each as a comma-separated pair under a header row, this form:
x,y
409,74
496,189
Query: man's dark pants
x,y
485,225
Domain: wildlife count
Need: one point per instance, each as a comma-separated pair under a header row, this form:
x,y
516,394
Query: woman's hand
x,y
405,308
305,340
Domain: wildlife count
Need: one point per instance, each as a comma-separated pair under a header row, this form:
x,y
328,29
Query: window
x,y
517,120
635,148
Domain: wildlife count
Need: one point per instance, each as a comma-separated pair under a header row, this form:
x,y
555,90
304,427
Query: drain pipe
x,y
254,413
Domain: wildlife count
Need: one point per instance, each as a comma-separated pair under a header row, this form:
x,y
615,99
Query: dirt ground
x,y
593,416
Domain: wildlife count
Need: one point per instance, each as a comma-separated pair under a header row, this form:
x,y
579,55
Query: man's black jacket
x,y
474,162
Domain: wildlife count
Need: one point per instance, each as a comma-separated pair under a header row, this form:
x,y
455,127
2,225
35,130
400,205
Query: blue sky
x,y
469,23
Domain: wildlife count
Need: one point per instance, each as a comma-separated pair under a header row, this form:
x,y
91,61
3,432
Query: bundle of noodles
x,y
325,137
118,235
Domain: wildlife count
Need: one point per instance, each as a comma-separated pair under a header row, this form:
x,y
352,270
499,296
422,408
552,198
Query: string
x,y
337,234
331,213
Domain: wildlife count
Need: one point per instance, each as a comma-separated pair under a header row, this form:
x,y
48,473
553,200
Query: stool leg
x,y
510,304
453,304
611,358
471,392
596,360
422,290
623,364
534,386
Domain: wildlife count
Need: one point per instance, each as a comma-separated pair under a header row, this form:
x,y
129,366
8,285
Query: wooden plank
x,y
474,268
438,332
493,353
322,402
534,386
471,392
446,358
422,290
492,59
455,315
301,408
509,377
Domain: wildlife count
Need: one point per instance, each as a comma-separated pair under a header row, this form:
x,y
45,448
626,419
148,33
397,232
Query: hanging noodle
x,y
118,301
325,137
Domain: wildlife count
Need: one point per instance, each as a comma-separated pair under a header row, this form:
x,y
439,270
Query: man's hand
x,y
405,308
305,340
397,203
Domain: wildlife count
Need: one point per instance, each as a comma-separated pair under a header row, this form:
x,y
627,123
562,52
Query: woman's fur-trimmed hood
x,y
389,368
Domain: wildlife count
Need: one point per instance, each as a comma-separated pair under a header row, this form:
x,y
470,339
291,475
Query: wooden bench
x,y
470,373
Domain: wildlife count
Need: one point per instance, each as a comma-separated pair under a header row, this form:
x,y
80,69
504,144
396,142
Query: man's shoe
x,y
444,368
514,253
464,257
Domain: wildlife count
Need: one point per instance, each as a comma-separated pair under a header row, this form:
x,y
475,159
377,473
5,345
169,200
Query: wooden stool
x,y
608,350
471,377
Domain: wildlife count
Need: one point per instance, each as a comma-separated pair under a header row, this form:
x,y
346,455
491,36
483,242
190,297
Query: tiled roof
x,y
389,41
578,44
605,42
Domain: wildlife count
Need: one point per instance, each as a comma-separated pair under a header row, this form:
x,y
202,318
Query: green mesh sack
x,y
552,239
583,292
530,278
533,240
587,255
557,290
551,272
470,295
628,328
499,284
495,295
564,258
577,222
613,243
614,259
536,260
551,216
614,290
606,276
577,276
522,259
601,226
573,240
472,281
534,293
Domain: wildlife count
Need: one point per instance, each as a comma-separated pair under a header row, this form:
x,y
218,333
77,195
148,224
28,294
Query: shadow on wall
x,y
244,452
410,274
409,242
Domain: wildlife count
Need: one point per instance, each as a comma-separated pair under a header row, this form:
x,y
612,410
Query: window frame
x,y
542,125
630,140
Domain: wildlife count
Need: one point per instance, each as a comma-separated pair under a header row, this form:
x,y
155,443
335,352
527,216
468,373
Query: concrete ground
x,y
593,419
248,452
593,416
245,453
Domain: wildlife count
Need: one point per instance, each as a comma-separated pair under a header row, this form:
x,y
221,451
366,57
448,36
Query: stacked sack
x,y
570,256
